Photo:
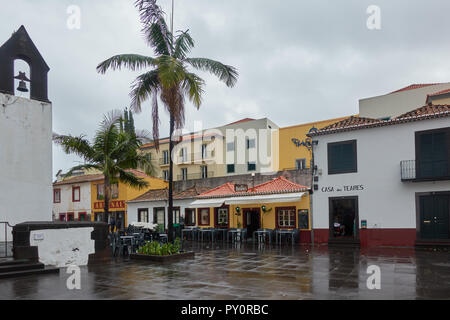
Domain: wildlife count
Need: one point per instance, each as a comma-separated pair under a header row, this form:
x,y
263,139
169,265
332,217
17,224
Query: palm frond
x,y
131,179
155,27
130,61
225,73
183,45
77,145
142,88
86,166
193,87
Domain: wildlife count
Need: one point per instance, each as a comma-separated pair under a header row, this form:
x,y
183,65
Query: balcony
x,y
415,170
195,176
163,161
188,159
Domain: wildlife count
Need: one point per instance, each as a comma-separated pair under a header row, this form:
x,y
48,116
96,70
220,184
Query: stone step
x,y
21,267
11,261
14,274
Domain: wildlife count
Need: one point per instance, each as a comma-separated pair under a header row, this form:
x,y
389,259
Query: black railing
x,y
195,176
417,170
5,248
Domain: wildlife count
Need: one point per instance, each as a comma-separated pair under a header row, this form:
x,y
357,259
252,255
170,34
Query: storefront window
x,y
159,218
203,217
176,215
100,191
143,215
222,217
286,217
115,191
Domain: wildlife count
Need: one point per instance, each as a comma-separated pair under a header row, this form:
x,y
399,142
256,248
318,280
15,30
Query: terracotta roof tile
x,y
415,86
223,190
163,194
439,93
352,123
277,185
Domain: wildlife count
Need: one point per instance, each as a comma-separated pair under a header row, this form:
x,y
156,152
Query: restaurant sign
x,y
240,188
112,205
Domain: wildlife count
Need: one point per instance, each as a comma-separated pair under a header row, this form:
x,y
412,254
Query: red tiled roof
x,y
275,186
163,194
240,121
439,93
415,86
422,113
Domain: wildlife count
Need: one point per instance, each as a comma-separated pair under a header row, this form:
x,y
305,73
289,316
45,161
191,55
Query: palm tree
x,y
112,152
167,77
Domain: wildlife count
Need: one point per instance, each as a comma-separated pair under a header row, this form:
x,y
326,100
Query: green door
x,y
434,217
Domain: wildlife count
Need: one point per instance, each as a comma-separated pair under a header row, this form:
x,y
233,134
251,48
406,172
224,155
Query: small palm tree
x,y
167,77
112,152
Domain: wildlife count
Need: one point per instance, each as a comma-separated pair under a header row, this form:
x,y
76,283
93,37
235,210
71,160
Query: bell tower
x,y
20,46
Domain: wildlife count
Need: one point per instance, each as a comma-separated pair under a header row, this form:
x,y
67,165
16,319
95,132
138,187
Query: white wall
x,y
395,104
26,160
386,201
67,205
133,207
63,247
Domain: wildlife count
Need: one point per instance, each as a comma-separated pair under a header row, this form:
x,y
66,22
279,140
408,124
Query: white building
x,y
72,198
152,207
25,135
384,182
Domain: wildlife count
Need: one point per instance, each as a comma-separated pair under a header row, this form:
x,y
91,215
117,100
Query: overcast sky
x,y
299,61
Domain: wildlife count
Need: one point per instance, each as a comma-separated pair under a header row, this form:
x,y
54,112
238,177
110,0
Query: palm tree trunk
x,y
170,211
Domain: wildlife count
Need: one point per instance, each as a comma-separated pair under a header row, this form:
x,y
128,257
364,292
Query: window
x,y
115,191
184,174
204,151
165,157
204,172
230,146
251,143
230,168
183,154
251,166
189,217
56,195
300,164
75,194
70,216
100,191
176,215
303,219
342,157
82,216
222,217
286,217
433,153
62,217
143,215
203,217
159,217
166,175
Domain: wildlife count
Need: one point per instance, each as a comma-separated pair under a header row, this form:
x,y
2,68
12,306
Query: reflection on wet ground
x,y
225,271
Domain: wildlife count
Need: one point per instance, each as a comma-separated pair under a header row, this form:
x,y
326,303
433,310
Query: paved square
x,y
248,272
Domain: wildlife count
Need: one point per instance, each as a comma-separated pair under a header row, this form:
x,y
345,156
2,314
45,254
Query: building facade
x,y
383,182
25,134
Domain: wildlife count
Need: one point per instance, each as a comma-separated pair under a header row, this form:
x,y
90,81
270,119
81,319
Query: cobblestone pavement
x,y
248,272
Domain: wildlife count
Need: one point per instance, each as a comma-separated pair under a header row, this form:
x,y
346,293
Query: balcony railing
x,y
415,170
188,159
195,176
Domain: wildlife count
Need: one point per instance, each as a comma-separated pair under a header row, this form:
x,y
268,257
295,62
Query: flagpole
x,y
171,22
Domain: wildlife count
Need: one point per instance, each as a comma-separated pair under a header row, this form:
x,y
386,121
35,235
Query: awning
x,y
262,199
207,203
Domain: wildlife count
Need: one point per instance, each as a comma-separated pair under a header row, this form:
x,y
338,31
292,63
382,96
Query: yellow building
x,y
295,146
276,204
120,194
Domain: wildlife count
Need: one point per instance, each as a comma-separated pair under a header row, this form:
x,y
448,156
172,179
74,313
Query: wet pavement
x,y
249,272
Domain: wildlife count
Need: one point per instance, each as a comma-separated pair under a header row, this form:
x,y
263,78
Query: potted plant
x,y
157,252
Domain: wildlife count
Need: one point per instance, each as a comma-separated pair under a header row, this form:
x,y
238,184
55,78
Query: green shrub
x,y
154,248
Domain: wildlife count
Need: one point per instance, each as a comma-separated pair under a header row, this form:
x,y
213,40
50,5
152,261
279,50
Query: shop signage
x,y
359,187
240,188
112,205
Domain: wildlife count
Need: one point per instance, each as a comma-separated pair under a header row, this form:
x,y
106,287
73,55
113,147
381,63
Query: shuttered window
x,y
342,157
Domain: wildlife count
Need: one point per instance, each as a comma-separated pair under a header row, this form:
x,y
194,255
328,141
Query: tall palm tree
x,y
167,77
112,152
